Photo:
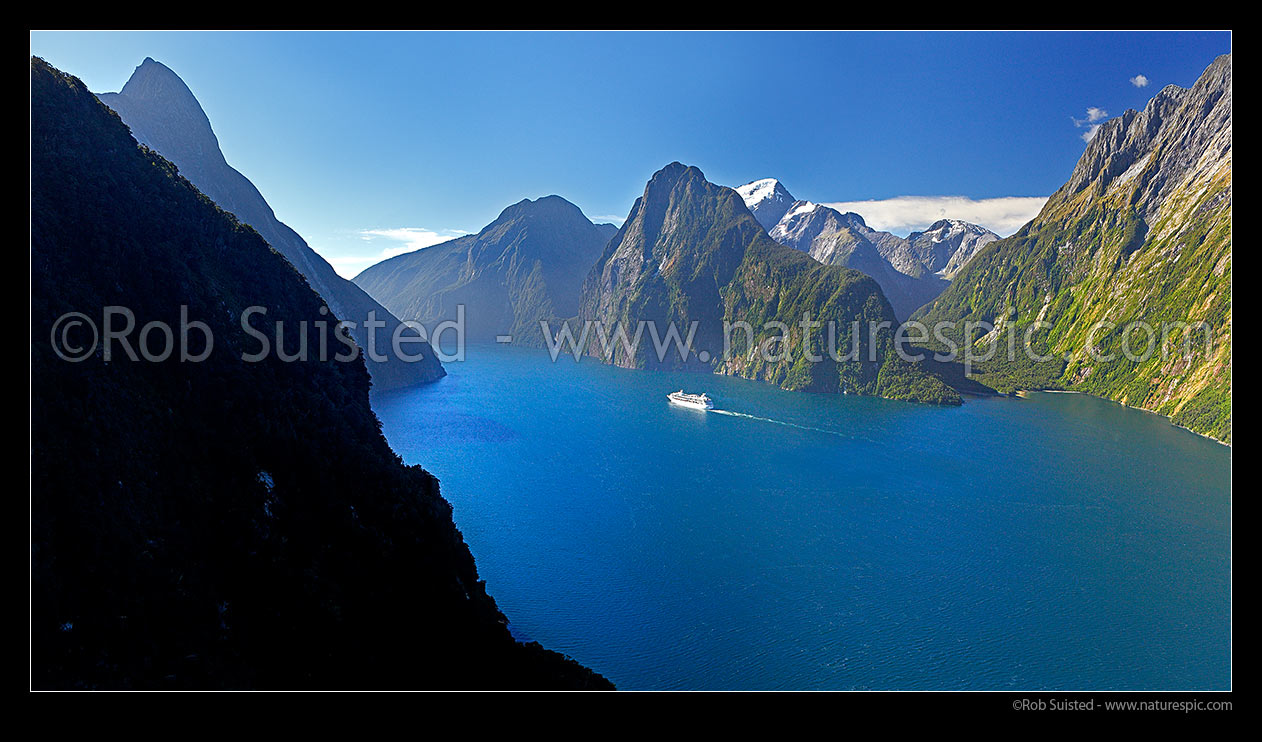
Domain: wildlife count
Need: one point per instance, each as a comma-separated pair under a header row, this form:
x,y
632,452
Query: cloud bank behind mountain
x,y
904,214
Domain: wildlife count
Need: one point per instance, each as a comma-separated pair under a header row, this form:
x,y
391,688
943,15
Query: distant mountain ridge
x,y
164,114
834,238
900,266
1140,233
948,244
527,265
691,251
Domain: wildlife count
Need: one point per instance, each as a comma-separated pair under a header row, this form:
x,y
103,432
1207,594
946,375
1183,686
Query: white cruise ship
x,y
695,401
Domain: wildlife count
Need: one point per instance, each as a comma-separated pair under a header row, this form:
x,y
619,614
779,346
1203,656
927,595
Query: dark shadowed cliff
x,y
163,114
221,524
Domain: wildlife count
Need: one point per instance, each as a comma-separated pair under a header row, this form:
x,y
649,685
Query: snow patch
x,y
758,191
805,208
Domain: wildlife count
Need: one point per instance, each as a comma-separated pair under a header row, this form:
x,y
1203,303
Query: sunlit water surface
x,y
830,542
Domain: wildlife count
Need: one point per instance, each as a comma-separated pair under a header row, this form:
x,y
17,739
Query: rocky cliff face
x,y
1182,137
948,244
220,523
526,266
690,251
1140,233
164,115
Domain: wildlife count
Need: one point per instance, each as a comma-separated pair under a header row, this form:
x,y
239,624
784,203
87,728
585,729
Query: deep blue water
x,y
1058,541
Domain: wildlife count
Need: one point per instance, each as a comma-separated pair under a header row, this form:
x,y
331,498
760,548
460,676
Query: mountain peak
x,y
947,244
690,253
1181,131
759,189
153,80
949,224
545,207
163,114
671,174
855,220
767,199
527,265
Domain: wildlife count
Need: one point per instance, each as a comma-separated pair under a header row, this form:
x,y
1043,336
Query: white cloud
x,y
1091,122
349,266
904,214
413,238
1139,81
613,219
389,243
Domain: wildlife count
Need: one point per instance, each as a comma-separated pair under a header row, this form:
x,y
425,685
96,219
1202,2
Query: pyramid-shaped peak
x,y
767,199
163,113
153,80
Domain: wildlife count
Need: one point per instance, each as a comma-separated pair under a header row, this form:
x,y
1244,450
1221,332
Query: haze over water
x,y
829,542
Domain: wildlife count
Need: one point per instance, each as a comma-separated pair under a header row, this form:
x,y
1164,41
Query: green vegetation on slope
x,y
691,252
1136,250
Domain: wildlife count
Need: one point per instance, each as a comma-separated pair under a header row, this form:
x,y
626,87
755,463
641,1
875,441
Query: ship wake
x,y
785,423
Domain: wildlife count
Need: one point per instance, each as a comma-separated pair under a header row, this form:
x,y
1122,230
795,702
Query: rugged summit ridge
x,y
948,244
1140,233
1181,135
834,238
691,252
527,265
163,114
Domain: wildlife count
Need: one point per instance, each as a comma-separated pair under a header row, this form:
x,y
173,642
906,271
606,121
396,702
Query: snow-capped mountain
x,y
805,222
767,200
834,238
911,270
948,244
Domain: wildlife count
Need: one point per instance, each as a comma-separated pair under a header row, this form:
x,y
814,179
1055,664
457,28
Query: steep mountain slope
x,y
221,523
834,238
1140,233
527,265
690,251
163,114
948,244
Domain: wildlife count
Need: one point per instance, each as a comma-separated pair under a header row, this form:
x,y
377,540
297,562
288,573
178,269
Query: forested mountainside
x,y
223,523
164,115
690,250
1141,233
527,265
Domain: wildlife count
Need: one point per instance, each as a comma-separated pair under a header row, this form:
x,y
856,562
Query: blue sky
x,y
370,143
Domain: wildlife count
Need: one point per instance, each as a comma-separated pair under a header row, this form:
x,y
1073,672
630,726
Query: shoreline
x,y
1167,418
